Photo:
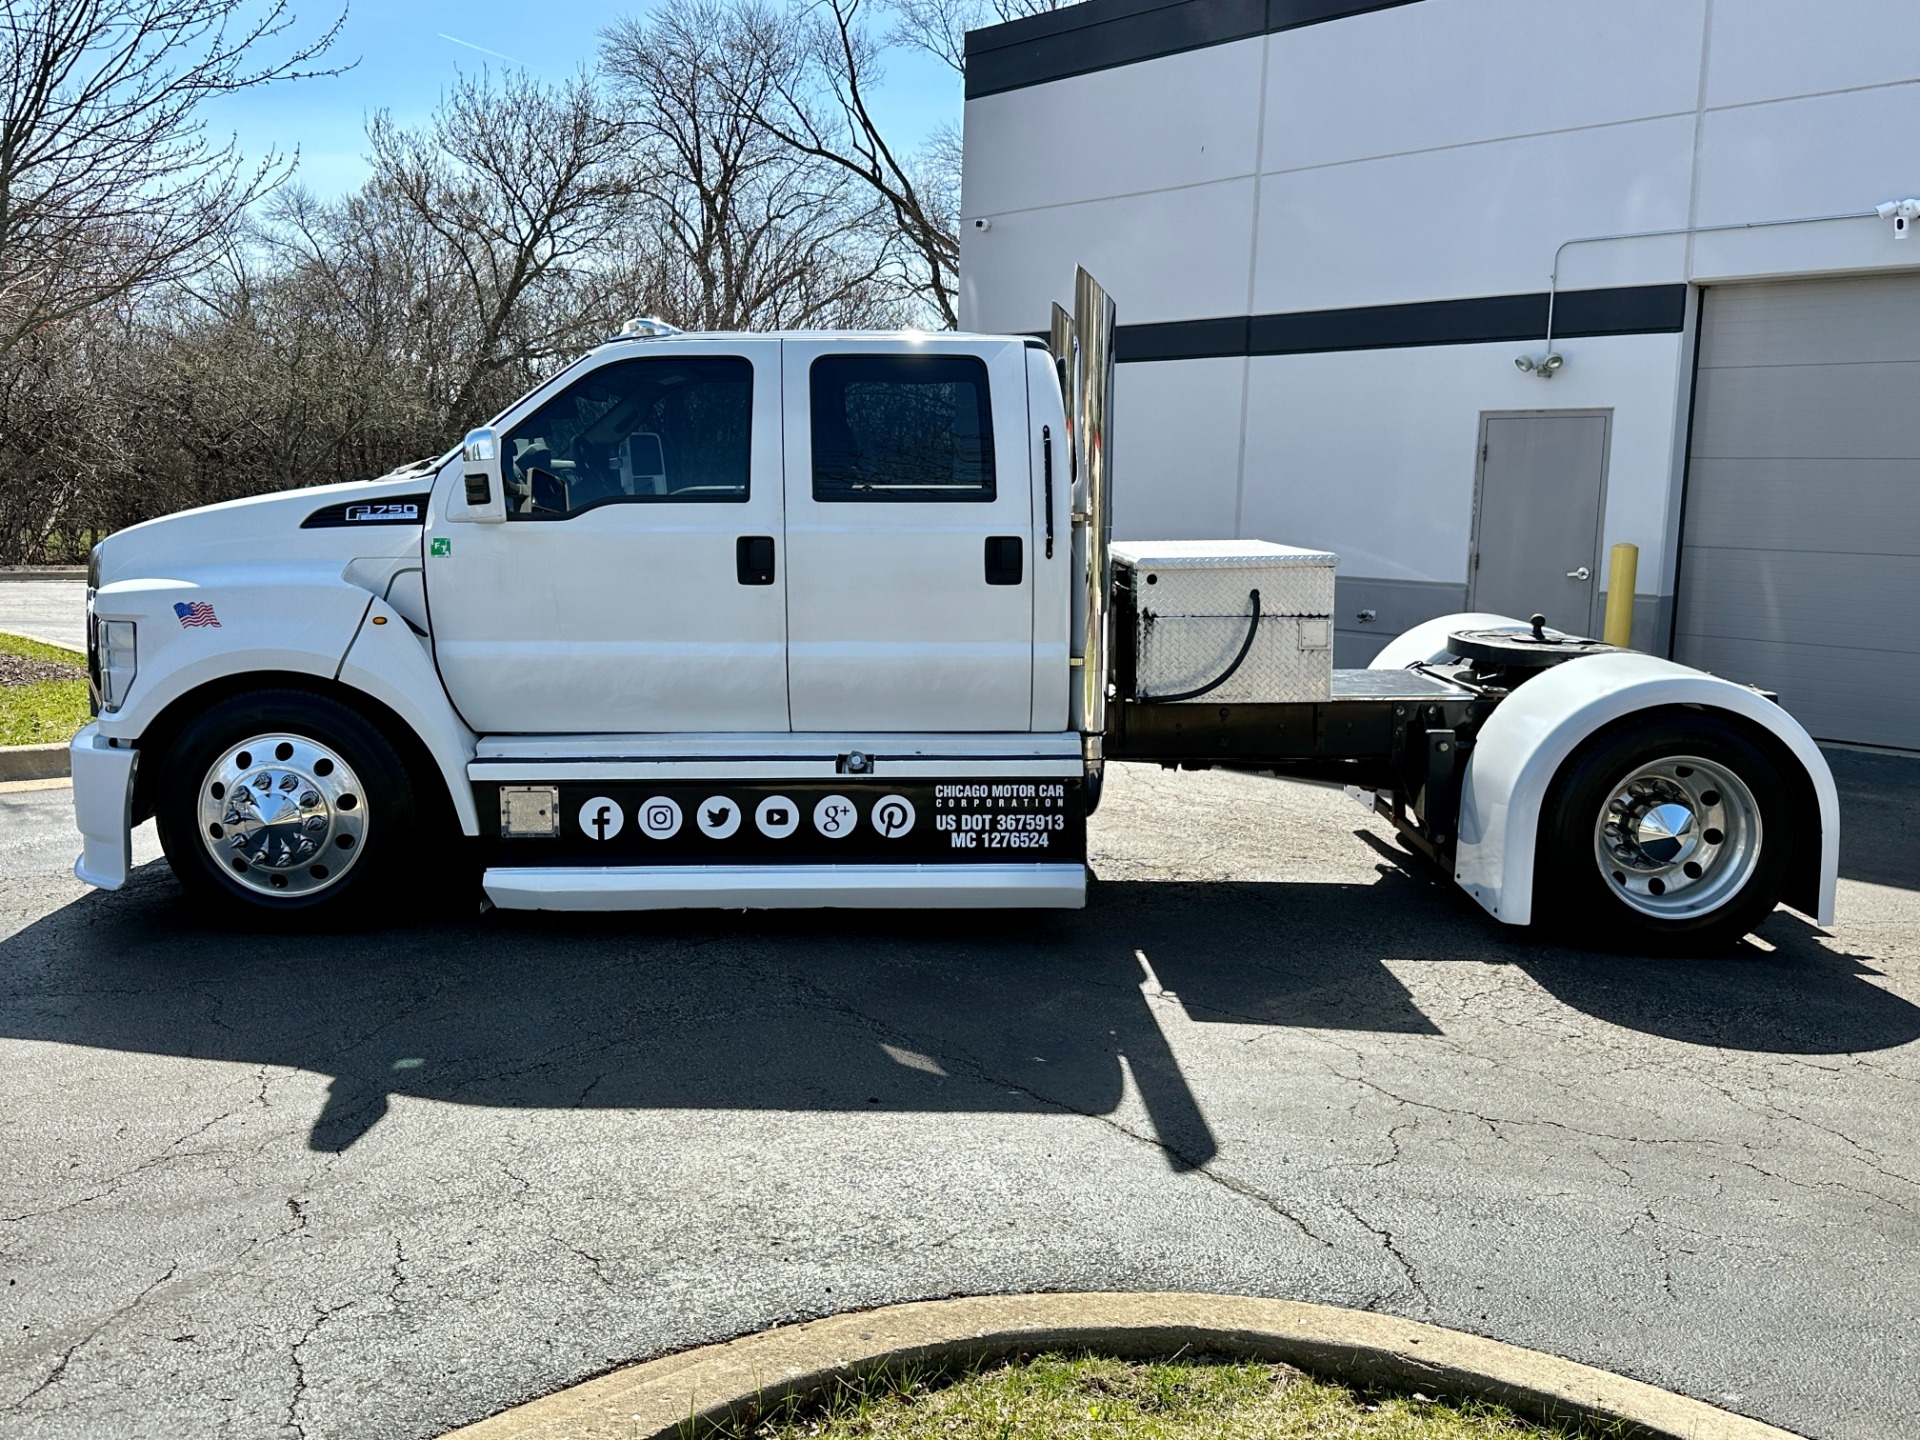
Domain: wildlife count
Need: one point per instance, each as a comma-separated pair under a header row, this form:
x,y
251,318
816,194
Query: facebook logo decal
x,y
601,818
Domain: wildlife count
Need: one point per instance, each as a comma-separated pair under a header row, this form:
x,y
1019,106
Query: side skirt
x,y
735,829
784,887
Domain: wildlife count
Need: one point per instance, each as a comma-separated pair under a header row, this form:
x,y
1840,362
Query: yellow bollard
x,y
1622,573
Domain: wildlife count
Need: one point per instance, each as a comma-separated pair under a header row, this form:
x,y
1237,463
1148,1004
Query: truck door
x,y
909,535
635,584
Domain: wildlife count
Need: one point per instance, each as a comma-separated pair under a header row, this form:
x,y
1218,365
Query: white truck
x,y
834,620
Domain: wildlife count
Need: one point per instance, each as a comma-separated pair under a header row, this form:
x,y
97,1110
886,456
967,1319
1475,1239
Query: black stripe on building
x,y
1577,314
1102,34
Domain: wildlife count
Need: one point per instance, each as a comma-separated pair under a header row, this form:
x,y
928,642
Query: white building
x,y
1331,227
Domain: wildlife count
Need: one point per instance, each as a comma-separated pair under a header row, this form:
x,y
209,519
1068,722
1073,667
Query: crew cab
x,y
834,619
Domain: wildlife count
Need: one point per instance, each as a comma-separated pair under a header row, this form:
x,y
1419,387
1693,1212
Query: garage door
x,y
1800,558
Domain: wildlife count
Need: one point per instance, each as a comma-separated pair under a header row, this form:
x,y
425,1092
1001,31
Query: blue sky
x,y
406,61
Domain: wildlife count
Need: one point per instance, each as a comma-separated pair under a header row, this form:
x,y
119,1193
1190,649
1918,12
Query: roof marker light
x,y
647,328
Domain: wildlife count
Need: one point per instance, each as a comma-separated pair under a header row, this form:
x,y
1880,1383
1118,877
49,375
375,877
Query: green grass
x,y
1059,1397
49,711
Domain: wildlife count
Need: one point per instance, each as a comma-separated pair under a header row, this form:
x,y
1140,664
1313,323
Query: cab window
x,y
901,428
635,432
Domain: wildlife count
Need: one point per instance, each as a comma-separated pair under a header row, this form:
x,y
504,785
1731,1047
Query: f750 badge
x,y
377,514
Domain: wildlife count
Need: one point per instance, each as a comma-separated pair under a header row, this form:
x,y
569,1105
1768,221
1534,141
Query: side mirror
x,y
483,487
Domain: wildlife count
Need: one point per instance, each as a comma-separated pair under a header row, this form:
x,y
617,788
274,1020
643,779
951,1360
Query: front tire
x,y
288,802
1671,835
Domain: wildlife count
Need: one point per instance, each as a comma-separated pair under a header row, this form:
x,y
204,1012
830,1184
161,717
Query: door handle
x,y
1583,573
1004,560
1046,454
753,559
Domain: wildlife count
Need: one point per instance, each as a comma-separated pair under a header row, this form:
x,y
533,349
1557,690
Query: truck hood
x,y
364,519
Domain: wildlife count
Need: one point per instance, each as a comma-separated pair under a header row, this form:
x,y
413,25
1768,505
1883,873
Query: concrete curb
x,y
43,572
655,1399
37,762
79,654
34,762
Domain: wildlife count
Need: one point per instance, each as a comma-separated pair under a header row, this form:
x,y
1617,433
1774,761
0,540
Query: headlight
x,y
117,663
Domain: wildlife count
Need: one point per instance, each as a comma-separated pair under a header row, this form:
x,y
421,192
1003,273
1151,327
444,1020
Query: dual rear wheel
x,y
1674,833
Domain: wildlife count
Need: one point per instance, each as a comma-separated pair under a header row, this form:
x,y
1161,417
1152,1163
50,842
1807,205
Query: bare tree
x,y
108,181
940,27
751,233
725,173
821,109
518,182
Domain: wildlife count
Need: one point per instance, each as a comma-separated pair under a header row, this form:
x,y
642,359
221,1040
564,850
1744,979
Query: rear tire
x,y
287,802
1671,835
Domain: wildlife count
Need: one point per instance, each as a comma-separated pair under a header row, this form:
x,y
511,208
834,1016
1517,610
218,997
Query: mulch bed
x,y
23,670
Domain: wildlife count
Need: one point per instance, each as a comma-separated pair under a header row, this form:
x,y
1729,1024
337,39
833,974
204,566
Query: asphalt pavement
x,y
255,1182
54,611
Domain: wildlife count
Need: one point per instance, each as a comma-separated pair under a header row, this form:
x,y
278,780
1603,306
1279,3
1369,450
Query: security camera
x,y
983,224
1902,213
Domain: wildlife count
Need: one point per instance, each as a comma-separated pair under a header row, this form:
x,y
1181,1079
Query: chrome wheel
x,y
1678,838
283,815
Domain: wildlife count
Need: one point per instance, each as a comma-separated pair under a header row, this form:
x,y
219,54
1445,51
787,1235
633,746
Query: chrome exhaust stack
x,y
1082,348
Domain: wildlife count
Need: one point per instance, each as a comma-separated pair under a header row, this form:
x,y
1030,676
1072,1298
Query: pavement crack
x,y
525,1185
595,1262
110,1184
1393,1139
1188,1163
581,1099
1392,1247
321,1315
66,1356
398,1272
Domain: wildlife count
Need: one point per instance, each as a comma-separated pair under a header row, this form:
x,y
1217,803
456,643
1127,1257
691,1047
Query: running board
x,y
788,887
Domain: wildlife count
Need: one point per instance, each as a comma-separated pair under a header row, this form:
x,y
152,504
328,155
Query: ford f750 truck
x,y
836,620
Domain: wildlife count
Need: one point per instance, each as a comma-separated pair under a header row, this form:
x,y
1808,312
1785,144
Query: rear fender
x,y
1525,742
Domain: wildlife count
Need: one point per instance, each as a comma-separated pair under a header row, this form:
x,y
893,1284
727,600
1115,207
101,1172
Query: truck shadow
x,y
1021,1012
1780,991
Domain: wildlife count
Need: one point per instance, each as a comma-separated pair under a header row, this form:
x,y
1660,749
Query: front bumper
x,y
103,807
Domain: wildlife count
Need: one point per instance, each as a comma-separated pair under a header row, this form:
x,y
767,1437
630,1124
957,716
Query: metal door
x,y
909,535
634,587
1800,561
1537,508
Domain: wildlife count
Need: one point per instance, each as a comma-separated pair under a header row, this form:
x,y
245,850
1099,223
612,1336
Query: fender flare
x,y
392,664
1521,748
299,623
309,622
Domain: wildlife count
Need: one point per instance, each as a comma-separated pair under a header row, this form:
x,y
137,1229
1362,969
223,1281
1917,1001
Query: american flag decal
x,y
196,612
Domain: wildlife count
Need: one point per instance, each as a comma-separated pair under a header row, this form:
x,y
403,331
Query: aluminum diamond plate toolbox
x,y
1188,612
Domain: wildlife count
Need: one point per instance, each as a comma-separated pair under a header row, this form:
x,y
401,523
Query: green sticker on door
x,y
442,547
